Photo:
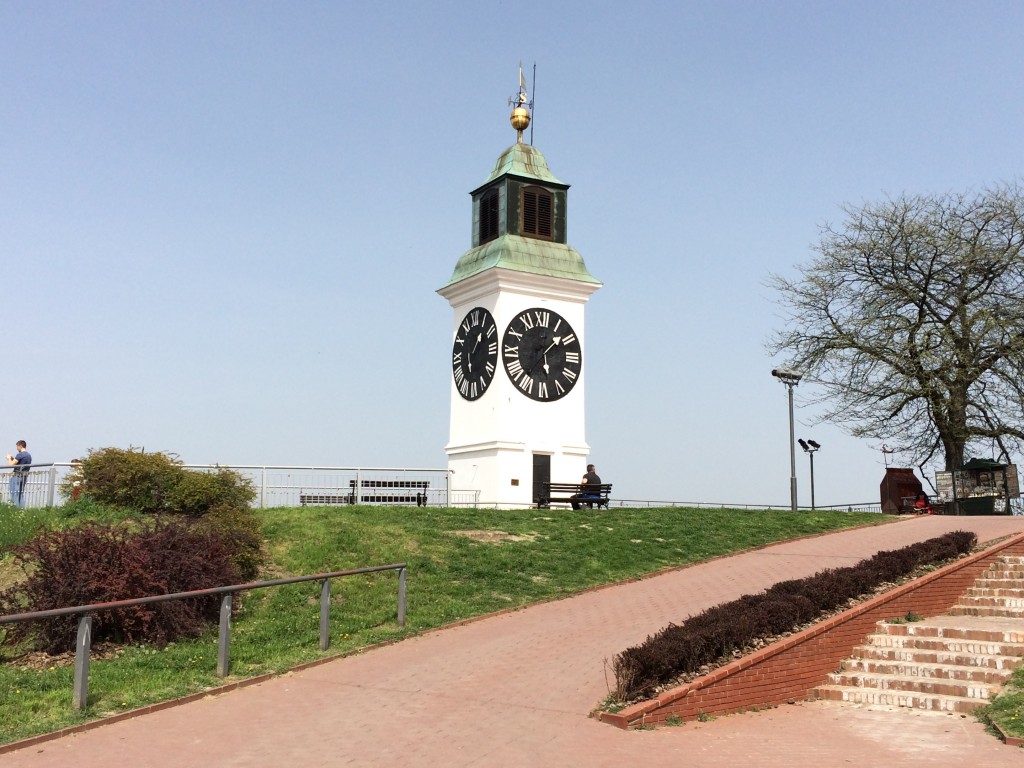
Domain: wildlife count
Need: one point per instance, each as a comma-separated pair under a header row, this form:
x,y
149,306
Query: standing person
x,y
590,478
21,462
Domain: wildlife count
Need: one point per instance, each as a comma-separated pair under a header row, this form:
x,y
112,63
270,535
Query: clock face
x,y
475,353
542,355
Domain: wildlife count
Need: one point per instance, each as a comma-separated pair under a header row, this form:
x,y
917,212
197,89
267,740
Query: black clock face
x,y
542,355
475,353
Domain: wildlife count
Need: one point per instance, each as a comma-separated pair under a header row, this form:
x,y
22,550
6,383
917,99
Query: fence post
x,y
80,695
401,597
53,485
325,614
224,637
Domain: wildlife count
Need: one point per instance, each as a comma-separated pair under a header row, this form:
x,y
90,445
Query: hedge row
x,y
719,631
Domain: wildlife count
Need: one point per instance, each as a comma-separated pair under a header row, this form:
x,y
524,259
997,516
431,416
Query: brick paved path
x,y
515,690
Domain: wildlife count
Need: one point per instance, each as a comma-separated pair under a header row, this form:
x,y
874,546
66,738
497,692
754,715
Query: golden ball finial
x,y
520,118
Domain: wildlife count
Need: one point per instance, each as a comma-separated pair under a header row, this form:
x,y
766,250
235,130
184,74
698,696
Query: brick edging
x,y
1010,741
792,667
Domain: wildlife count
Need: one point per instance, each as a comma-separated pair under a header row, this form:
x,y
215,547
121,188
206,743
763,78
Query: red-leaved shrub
x,y
95,563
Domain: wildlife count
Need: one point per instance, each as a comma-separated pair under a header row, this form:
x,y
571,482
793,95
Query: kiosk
x,y
979,487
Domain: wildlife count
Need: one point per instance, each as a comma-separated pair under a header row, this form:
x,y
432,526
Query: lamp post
x,y
810,447
790,378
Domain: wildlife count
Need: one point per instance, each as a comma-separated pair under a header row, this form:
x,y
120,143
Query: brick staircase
x,y
951,663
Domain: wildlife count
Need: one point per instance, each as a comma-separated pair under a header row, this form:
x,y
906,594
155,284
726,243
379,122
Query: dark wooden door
x,y
541,474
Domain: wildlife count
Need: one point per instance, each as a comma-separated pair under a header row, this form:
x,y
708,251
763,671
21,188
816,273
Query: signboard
x,y
1012,484
944,486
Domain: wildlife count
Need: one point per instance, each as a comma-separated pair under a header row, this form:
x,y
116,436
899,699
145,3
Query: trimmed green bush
x,y
240,528
129,478
155,483
197,493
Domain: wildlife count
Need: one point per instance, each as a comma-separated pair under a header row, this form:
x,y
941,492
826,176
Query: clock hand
x,y
547,369
554,343
469,357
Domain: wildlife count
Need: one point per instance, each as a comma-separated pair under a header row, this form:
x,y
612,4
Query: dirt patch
x,y
42,660
10,573
496,537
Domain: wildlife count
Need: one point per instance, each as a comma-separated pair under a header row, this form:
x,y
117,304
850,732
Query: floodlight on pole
x,y
810,447
790,378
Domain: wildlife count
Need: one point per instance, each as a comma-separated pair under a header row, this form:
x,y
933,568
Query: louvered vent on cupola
x,y
489,216
537,213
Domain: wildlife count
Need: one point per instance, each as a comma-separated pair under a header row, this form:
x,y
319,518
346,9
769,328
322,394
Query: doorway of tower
x,y
541,475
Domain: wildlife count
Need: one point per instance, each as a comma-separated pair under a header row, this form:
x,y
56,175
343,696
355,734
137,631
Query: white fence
x,y
280,486
41,487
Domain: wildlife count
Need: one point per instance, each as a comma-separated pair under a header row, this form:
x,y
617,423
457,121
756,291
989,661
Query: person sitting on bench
x,y
590,477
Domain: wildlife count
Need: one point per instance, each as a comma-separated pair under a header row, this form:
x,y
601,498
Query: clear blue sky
x,y
223,224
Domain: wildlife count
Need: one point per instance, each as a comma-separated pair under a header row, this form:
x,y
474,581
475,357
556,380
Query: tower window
x,y
489,216
537,212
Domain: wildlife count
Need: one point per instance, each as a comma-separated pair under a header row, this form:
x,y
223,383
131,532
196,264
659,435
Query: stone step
x,y
1014,573
963,689
1001,591
998,602
946,658
949,644
926,628
999,583
898,699
912,668
985,610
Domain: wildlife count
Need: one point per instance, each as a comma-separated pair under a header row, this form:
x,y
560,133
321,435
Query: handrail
x,y
231,588
84,639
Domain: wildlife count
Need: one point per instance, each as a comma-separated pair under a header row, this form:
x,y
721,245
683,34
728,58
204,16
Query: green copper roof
x,y
523,160
523,254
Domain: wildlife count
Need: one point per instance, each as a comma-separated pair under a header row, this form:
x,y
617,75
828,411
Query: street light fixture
x,y
810,447
790,378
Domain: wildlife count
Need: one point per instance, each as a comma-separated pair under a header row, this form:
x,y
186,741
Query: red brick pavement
x,y
515,690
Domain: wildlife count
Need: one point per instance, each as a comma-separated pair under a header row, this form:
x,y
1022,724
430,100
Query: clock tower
x,y
518,352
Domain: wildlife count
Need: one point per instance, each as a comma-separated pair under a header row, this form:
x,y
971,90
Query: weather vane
x,y
886,452
521,106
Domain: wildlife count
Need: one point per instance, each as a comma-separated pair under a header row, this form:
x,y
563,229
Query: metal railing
x,y
284,486
84,639
41,487
275,485
858,507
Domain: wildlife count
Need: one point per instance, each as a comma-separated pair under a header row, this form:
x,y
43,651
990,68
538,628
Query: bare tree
x,y
911,319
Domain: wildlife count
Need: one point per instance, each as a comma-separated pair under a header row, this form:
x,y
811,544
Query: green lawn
x,y
1007,709
451,577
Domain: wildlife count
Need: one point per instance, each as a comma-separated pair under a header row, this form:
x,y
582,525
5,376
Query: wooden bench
x,y
371,492
334,499
562,493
